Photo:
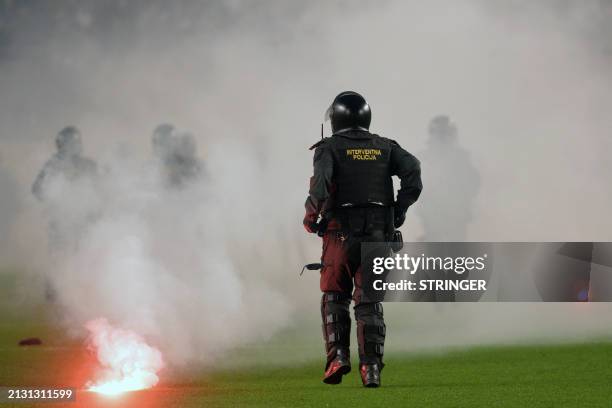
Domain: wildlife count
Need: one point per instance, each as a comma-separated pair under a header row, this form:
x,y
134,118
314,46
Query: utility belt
x,y
362,221
358,221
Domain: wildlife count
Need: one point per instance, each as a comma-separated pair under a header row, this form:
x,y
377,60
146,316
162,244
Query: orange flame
x,y
127,362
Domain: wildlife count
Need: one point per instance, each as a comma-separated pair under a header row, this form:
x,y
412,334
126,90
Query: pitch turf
x,y
578,375
535,376
563,376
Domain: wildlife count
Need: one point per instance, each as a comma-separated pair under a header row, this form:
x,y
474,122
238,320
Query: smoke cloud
x,y
213,266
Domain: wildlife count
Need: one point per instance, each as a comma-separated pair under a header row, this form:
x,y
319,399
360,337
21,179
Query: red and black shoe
x,y
370,375
338,367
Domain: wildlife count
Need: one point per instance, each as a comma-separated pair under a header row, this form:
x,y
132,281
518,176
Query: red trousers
x,y
343,270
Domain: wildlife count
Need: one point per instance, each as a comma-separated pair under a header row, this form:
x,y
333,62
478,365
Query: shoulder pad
x,y
393,142
319,143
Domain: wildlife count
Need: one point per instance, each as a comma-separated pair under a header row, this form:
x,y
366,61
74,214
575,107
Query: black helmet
x,y
162,139
442,129
68,141
349,111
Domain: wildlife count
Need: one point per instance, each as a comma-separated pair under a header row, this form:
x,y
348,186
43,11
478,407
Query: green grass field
x,y
576,375
542,376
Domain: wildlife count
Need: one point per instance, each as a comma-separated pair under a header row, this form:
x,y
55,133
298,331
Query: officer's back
x,y
351,201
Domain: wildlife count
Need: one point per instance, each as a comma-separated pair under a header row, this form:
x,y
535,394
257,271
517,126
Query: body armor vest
x,y
362,174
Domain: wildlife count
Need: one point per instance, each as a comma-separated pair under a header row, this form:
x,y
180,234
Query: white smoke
x,y
127,362
156,259
214,266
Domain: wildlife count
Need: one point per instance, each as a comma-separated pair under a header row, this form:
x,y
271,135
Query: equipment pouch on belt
x,y
322,226
397,241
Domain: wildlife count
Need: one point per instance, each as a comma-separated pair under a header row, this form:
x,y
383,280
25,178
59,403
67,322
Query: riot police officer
x,y
162,141
66,168
67,162
447,212
176,155
351,201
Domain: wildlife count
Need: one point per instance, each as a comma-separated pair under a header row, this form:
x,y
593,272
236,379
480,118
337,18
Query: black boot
x,y
336,333
371,331
338,367
370,375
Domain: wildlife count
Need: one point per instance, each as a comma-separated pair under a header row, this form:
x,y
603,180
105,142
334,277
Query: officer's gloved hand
x,y
310,224
399,217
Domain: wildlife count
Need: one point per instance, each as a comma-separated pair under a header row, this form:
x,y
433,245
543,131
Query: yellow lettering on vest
x,y
363,154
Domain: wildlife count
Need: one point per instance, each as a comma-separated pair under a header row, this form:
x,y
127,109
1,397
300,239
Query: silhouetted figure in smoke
x,y
176,154
66,186
162,141
68,163
60,186
454,182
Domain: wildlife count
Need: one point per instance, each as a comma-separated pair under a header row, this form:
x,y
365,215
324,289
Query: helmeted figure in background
x,y
187,166
351,200
176,153
65,180
446,212
162,141
68,162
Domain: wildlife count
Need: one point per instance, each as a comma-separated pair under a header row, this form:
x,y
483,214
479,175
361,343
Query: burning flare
x,y
127,362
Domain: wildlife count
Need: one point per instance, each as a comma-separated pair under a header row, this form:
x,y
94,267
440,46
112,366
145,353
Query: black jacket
x,y
378,159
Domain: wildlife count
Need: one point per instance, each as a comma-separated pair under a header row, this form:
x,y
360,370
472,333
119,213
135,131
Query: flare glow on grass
x,y
127,362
